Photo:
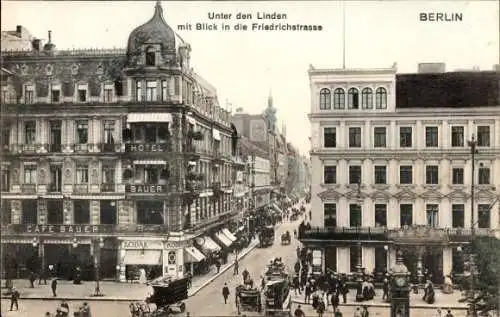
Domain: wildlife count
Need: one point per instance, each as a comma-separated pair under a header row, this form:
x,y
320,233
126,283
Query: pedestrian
x,y
364,312
236,266
321,308
385,289
448,314
225,293
65,305
344,290
85,310
14,297
189,278
307,293
32,279
218,264
299,312
358,312
53,286
335,301
42,276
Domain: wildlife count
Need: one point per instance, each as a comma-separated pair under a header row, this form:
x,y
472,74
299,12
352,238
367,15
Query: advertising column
x,y
173,262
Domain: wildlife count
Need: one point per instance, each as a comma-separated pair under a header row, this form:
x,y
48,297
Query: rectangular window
x,y
109,130
108,94
354,215
380,175
484,176
30,132
330,174
108,174
164,90
81,211
82,131
406,174
432,215
55,95
354,137
458,215
55,136
5,141
432,174
483,213
151,90
380,137
355,258
5,180
29,212
330,137
29,94
431,136
380,215
82,174
405,215
138,90
457,136
405,139
457,176
82,95
330,212
29,174
55,178
483,135
354,174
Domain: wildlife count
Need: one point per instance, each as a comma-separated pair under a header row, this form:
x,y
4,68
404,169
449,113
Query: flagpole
x,y
343,34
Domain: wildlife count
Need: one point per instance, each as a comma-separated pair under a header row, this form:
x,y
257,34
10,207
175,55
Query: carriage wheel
x,y
182,307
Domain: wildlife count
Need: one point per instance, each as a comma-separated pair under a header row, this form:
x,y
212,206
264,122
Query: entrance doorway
x,y
433,262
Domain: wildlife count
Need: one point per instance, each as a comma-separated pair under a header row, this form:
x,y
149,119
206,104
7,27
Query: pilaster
x,y
343,260
368,258
42,211
447,260
95,212
16,211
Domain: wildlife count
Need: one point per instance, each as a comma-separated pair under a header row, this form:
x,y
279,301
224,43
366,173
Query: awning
x,y
216,134
277,208
149,162
149,117
229,234
192,255
190,120
143,257
207,244
223,239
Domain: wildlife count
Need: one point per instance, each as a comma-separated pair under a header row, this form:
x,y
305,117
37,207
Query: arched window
x,y
339,99
325,101
381,98
150,57
353,98
367,98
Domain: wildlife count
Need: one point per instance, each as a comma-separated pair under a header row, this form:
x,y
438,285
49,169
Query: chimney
x,y
431,68
36,44
19,30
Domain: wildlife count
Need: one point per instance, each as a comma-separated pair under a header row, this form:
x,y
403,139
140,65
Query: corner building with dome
x,y
113,160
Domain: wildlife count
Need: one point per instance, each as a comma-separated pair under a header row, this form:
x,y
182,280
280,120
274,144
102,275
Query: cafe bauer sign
x,y
62,229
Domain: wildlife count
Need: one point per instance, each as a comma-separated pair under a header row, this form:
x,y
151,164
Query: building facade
x,y
116,159
391,167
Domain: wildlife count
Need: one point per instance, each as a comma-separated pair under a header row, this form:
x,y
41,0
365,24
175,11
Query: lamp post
x,y
473,151
359,265
98,245
388,257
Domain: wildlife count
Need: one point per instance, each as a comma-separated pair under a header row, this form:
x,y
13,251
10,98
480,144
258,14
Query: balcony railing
x,y
55,148
81,229
107,188
55,188
344,233
28,188
81,188
109,148
145,188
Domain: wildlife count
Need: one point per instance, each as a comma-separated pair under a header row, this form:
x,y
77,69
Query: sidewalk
x,y
113,291
442,300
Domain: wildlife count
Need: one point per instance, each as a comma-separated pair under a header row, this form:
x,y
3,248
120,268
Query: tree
x,y
487,262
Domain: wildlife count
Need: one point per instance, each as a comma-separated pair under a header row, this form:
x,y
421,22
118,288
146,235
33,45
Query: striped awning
x,y
150,162
149,117
223,239
229,234
207,244
192,255
18,196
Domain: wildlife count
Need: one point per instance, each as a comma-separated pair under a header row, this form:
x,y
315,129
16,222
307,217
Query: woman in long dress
x,y
142,276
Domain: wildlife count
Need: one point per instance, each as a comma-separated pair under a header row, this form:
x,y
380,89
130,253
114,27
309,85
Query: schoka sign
x,y
62,229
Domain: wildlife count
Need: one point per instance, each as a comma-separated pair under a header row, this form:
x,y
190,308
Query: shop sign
x,y
147,147
62,229
145,189
142,244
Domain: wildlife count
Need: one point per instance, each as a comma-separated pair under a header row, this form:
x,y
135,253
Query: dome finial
x,y
158,8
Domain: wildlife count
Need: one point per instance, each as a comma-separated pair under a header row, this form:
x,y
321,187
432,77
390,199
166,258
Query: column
x,y
343,260
121,258
368,258
420,270
447,260
95,212
391,257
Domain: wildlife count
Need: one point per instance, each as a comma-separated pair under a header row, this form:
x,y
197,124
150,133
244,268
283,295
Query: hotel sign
x,y
146,147
145,189
62,229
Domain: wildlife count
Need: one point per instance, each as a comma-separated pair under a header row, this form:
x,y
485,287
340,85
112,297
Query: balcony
x,y
217,157
81,188
51,230
108,188
55,188
55,148
145,188
217,188
109,148
193,152
28,188
81,148
344,233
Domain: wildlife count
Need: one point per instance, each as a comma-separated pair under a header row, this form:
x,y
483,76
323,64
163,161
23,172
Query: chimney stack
x,y
19,31
36,44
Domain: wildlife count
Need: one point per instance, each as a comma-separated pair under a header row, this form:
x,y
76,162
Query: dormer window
x,y
150,57
108,93
82,93
55,93
29,94
353,98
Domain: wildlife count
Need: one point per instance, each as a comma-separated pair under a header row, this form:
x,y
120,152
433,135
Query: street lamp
x,y
386,248
98,245
359,265
473,151
75,243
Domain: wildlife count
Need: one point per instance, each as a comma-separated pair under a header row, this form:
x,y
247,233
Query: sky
x,y
246,66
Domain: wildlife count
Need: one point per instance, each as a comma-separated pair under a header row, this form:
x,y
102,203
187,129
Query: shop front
x,y
209,248
195,262
225,242
136,254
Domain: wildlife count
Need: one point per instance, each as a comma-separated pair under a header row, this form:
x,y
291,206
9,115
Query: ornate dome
x,y
154,32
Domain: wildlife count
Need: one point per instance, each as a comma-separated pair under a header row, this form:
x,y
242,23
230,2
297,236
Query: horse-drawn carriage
x,y
266,236
168,295
248,299
286,238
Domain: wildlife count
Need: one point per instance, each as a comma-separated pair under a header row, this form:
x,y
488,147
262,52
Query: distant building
x,y
391,167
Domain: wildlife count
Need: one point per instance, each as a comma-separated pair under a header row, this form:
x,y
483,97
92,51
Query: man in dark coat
x,y
225,293
32,279
14,297
53,286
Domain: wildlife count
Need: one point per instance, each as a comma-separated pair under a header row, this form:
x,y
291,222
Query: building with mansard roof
x,y
392,167
119,158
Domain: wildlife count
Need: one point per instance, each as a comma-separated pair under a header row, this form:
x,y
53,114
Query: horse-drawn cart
x,y
286,238
248,299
